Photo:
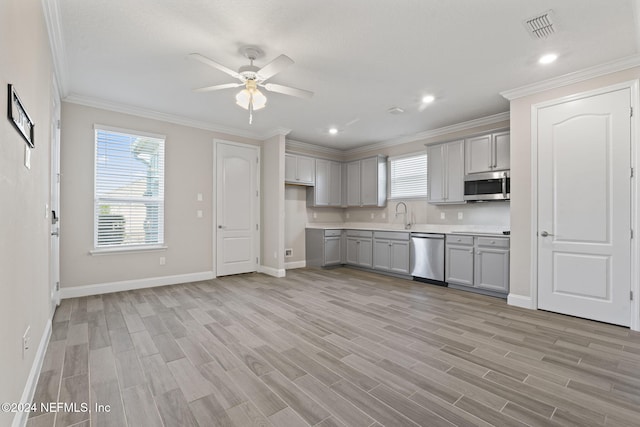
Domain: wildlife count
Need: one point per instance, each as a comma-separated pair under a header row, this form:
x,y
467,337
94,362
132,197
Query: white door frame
x,y
214,216
54,259
633,85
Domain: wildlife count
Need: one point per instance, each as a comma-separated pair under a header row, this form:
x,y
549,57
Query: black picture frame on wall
x,y
19,117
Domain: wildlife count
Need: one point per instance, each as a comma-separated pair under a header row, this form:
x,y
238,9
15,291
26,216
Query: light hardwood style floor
x,y
332,348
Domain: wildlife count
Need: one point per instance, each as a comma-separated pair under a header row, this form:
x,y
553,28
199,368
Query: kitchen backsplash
x,y
420,212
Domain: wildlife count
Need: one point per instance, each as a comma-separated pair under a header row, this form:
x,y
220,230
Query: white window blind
x,y
408,176
129,189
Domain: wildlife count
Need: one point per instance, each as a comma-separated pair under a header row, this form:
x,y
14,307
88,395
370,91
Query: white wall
x,y
24,229
273,205
521,176
188,171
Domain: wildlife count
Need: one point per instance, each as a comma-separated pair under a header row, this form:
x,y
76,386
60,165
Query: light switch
x,y
199,197
199,213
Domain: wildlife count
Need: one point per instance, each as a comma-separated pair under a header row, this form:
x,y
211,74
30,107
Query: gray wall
x,y
24,229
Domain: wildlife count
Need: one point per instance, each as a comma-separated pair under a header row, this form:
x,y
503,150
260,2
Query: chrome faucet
x,y
407,224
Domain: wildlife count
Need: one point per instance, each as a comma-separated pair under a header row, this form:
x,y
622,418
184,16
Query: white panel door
x,y
237,208
584,207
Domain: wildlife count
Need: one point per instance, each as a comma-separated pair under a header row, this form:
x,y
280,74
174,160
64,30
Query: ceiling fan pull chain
x,y
250,107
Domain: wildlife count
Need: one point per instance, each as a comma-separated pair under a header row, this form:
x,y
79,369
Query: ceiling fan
x,y
252,77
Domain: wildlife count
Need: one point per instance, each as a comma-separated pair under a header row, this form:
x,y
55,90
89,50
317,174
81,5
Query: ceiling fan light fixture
x,y
427,99
251,95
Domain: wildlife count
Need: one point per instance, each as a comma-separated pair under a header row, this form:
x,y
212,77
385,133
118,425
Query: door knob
x,y
222,226
545,234
55,233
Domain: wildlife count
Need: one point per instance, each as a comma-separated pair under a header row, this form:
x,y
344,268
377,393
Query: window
x,y
408,176
129,189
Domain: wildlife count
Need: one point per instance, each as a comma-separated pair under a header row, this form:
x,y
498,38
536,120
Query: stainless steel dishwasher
x,y
427,257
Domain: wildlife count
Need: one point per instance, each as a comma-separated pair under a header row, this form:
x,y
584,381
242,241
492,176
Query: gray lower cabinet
x,y
478,262
323,247
391,251
360,248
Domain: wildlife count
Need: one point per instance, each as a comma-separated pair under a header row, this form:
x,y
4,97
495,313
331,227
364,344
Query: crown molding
x,y
459,127
276,131
155,115
575,77
304,147
51,12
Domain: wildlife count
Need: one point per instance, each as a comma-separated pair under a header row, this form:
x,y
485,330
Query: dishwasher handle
x,y
427,236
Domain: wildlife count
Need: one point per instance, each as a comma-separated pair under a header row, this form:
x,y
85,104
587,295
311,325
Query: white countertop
x,y
488,230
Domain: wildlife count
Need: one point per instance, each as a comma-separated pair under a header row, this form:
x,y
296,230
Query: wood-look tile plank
x,y
491,416
226,391
336,404
158,375
106,404
261,395
129,370
74,390
120,340
174,410
322,373
76,360
140,407
410,409
281,363
168,347
189,379
370,405
246,414
287,417
78,334
306,407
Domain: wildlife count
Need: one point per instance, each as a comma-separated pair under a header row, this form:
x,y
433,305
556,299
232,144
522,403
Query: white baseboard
x,y
270,271
21,417
127,285
295,264
520,301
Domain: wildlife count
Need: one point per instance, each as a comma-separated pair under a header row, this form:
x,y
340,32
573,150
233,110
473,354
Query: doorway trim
x,y
633,86
214,202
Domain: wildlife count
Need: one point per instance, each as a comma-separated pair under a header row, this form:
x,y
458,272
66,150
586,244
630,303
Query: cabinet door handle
x,y
470,251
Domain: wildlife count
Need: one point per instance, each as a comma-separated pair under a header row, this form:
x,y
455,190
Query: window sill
x,y
128,249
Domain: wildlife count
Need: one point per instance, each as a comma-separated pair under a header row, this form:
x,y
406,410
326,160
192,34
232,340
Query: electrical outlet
x,y
163,260
347,215
199,213
315,215
288,252
26,341
199,197
460,215
384,215
442,215
373,215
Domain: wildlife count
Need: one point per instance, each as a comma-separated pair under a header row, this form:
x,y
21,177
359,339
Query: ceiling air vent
x,y
540,26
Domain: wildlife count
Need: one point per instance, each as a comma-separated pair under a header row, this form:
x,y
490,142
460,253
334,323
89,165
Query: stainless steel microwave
x,y
487,186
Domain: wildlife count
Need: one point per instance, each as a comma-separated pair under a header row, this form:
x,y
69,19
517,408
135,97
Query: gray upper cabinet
x,y
446,173
299,170
367,182
487,153
328,185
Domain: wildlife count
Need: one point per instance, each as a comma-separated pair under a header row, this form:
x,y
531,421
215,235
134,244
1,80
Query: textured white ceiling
x,y
359,57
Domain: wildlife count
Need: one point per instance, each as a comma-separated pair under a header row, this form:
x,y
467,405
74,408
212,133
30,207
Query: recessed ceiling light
x,y
333,131
428,99
548,58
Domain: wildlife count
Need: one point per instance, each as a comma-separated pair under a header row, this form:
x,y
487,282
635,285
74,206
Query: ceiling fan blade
x,y
218,87
214,64
292,91
274,67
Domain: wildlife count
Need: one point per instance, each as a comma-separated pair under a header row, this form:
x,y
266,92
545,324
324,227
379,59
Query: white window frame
x,y
145,247
404,156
